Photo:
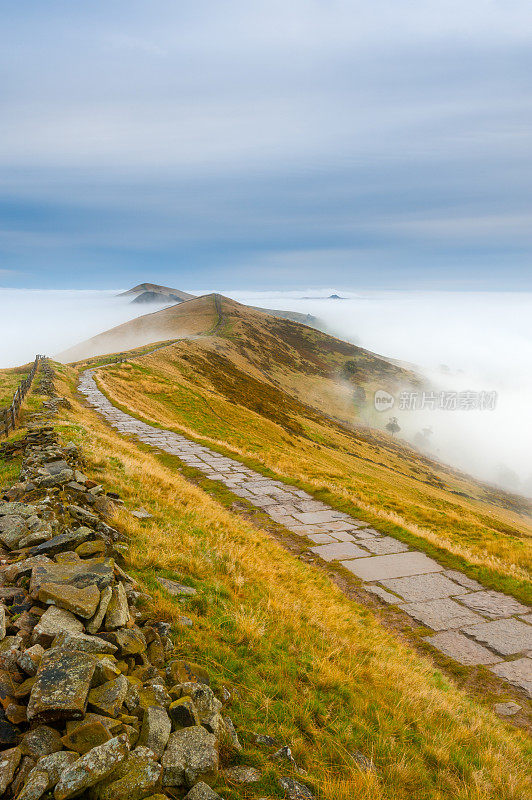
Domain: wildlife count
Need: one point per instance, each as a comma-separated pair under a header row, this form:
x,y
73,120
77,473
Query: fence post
x,y
11,413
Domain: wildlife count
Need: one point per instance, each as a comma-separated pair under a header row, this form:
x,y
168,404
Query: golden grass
x,y
312,668
9,380
380,478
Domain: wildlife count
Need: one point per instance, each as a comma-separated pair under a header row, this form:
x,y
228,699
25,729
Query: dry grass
x,y
9,380
311,668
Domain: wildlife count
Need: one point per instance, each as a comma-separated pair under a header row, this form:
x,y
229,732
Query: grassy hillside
x,y
306,665
268,391
9,380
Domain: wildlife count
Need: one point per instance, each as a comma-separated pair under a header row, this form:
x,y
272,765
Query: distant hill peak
x,y
152,293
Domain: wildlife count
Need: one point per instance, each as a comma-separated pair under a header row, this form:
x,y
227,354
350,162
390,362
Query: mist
x,y
460,341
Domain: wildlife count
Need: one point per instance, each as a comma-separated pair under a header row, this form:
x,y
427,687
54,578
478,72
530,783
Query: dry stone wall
x,y
93,702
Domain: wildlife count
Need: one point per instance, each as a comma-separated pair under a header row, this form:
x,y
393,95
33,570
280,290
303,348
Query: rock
x,y
2,622
96,622
36,537
109,697
12,529
84,643
82,515
175,588
184,713
94,766
155,730
81,573
41,741
82,602
507,709
179,671
135,778
230,735
266,741
45,774
201,791
24,768
30,659
61,542
9,761
55,620
10,647
129,641
85,737
118,610
110,724
106,670
61,687
9,734
207,705
190,755
295,790
241,774
141,513
87,549
21,568
284,754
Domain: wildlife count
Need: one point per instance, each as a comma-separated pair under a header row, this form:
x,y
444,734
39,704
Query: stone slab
x,y
322,538
463,580
423,587
492,604
518,673
462,649
389,598
441,614
334,552
377,568
505,636
385,544
317,516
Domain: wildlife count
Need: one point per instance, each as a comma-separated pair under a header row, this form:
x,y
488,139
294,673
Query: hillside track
x,y
468,623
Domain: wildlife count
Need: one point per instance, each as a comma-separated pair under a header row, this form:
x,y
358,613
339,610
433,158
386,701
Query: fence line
x,y
9,415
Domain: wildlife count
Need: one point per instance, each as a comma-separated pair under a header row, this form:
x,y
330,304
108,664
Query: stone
x,y
82,515
12,530
41,741
82,602
462,649
55,620
9,761
84,643
242,774
336,551
183,713
295,790
320,538
440,614
518,673
61,686
507,709
384,545
314,517
45,774
130,641
205,702
117,614
94,625
136,777
463,580
190,755
82,573
155,730
61,542
2,621
85,737
201,791
400,565
505,636
175,588
107,669
141,513
492,604
423,587
180,671
112,725
30,659
383,595
93,767
93,548
22,568
230,735
109,697
9,734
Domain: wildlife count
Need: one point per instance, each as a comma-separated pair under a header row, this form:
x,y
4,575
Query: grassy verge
x,y
306,665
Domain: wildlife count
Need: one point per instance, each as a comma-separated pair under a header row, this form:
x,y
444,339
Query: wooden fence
x,y
9,416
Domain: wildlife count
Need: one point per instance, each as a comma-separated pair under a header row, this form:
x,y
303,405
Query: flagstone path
x,y
471,624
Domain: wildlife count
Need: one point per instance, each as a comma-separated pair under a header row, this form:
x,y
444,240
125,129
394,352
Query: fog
x,y
461,341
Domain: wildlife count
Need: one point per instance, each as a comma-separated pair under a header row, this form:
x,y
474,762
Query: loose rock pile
x,y
92,702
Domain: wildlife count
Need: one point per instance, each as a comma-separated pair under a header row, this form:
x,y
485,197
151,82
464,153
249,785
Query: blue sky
x,y
375,144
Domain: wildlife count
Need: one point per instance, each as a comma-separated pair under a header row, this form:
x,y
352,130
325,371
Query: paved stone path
x,y
470,624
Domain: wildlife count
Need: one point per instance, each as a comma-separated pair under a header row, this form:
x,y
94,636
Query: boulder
x,y
82,602
30,659
175,588
295,790
94,625
130,641
80,573
190,755
109,697
55,620
201,791
13,528
93,767
84,643
155,730
45,774
9,761
63,541
61,687
2,621
183,713
134,779
181,671
86,736
117,614
41,741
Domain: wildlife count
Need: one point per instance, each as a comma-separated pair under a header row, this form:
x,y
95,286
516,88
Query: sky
x,y
375,144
